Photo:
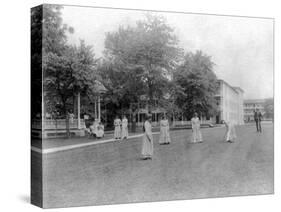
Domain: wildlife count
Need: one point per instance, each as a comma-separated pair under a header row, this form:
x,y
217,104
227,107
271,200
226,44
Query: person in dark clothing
x,y
258,117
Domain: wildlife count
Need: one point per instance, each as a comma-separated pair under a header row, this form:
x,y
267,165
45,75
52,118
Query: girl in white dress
x,y
164,131
117,129
147,142
124,128
100,130
94,128
230,134
196,132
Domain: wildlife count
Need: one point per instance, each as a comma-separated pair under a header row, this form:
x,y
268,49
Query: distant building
x,y
250,105
230,103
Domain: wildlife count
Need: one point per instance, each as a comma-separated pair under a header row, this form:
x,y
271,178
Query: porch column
x,y
138,114
95,109
138,118
78,110
99,112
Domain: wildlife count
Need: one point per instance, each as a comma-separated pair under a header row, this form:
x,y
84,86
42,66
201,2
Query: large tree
x,y
73,72
196,85
124,83
67,69
54,38
147,52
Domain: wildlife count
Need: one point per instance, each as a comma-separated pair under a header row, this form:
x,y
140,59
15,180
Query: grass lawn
x,y
112,172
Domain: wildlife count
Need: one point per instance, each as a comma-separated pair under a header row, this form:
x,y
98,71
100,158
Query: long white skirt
x,y
164,136
196,135
147,147
100,133
124,133
117,132
230,133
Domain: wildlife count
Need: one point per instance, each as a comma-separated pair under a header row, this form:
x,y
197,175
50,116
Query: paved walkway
x,y
61,144
84,144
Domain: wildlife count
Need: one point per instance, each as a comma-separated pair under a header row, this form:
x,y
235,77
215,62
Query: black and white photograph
x,y
131,106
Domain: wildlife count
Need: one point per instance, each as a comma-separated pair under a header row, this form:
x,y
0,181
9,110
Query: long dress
x,y
94,128
124,133
196,132
230,131
117,130
147,142
164,132
71,118
100,131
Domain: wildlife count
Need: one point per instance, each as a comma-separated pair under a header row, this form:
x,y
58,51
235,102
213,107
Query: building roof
x,y
233,88
254,100
238,88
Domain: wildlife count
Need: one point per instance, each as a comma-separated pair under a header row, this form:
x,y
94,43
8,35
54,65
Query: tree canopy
x,y
54,30
142,62
148,52
196,84
67,69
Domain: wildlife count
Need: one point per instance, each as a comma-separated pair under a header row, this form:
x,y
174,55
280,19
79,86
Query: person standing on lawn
x,y
117,128
196,132
71,117
124,132
164,130
230,134
258,117
147,142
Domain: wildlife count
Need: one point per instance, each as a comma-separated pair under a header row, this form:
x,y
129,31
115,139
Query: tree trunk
x,y
133,122
150,98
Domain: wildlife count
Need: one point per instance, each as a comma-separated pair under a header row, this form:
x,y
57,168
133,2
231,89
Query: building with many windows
x,y
250,105
230,103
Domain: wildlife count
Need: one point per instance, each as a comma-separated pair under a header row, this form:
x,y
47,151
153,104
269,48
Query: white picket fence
x,y
51,124
178,123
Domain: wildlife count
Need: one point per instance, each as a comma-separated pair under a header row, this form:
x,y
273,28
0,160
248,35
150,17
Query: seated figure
x,y
100,130
93,129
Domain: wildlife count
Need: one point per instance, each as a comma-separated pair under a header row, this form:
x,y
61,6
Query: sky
x,y
240,47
